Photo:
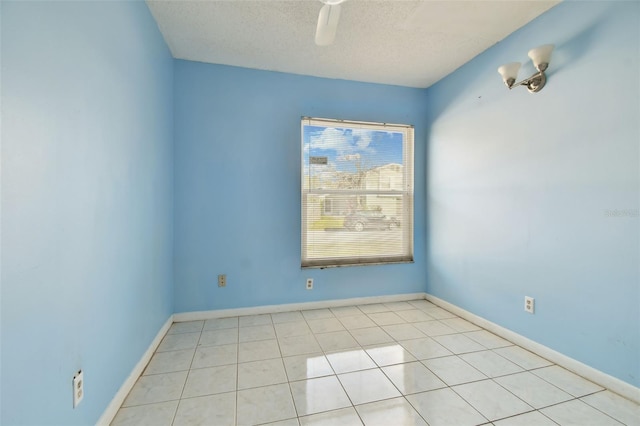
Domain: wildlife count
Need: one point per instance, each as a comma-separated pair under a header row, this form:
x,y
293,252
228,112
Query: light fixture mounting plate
x,y
537,82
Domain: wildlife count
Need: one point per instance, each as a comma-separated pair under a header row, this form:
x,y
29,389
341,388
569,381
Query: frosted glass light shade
x,y
541,55
509,70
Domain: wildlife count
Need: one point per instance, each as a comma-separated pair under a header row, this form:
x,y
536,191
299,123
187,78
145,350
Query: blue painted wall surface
x,y
87,202
237,185
538,194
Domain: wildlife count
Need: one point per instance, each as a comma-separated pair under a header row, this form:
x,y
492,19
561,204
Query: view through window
x,y
357,193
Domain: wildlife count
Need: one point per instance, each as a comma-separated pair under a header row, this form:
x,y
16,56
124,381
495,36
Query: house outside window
x,y
357,193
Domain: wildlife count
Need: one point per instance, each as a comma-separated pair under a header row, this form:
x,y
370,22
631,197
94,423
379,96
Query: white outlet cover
x,y
529,304
78,388
309,283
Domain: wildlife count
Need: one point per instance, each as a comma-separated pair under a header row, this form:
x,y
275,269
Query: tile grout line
x,y
394,341
502,418
186,379
579,398
286,374
405,396
335,374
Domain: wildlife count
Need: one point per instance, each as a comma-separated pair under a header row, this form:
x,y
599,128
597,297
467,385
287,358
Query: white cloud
x,y
362,138
341,141
330,139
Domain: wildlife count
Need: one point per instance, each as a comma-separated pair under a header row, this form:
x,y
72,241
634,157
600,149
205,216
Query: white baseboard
x,y
615,385
111,411
268,309
612,383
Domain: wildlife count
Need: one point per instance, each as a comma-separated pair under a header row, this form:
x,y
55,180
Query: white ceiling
x,y
410,43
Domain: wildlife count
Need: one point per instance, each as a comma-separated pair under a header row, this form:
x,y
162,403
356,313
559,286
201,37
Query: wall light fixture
x,y
540,56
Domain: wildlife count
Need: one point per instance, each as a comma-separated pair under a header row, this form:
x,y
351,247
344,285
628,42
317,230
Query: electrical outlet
x,y
222,280
529,304
78,388
309,283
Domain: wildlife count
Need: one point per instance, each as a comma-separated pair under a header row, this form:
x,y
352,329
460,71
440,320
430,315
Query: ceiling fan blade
x,y
327,24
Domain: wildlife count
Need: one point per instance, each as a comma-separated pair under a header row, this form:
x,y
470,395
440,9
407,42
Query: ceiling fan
x,y
328,22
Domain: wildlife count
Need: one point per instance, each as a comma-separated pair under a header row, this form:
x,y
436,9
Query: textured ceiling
x,y
405,43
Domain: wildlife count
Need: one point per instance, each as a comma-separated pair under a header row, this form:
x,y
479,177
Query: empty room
x,y
320,212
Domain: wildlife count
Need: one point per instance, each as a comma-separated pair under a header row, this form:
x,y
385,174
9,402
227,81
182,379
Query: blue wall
x,y
520,186
237,185
86,202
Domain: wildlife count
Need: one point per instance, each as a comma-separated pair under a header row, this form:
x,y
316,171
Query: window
x,y
357,193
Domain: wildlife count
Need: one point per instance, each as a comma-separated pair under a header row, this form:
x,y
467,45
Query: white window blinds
x,y
357,193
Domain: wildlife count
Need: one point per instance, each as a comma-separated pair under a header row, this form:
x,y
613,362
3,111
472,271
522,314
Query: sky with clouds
x,y
345,147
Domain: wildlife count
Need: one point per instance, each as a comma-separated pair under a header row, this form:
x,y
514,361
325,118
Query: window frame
x,y
407,195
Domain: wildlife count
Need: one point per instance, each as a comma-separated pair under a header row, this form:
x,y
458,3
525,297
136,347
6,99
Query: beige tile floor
x,y
403,363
